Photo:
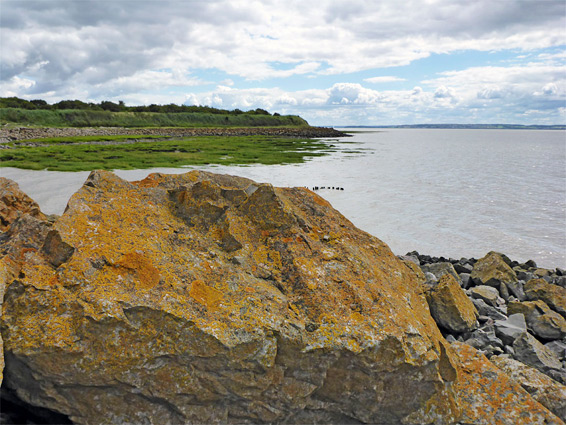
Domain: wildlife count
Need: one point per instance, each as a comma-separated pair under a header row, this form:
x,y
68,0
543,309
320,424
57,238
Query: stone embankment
x,y
23,133
521,316
205,298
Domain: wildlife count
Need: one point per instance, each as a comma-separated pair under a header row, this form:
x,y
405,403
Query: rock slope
x,y
203,298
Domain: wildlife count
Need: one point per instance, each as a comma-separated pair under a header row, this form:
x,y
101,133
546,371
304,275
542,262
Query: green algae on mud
x,y
222,150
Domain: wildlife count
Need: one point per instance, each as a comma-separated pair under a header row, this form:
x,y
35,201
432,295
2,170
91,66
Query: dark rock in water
x,y
531,352
511,329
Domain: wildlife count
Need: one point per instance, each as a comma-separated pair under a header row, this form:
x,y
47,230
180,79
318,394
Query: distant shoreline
x,y
464,126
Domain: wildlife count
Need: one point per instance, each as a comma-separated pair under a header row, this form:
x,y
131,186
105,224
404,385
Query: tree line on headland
x,y
76,113
105,105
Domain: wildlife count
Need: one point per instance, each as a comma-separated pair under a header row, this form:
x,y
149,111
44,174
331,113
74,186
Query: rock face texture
x,y
546,391
203,298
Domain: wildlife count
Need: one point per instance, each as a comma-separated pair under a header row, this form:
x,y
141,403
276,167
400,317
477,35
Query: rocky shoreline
x,y
207,298
515,314
22,133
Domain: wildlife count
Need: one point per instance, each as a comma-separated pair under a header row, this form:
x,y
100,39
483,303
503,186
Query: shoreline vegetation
x,y
79,136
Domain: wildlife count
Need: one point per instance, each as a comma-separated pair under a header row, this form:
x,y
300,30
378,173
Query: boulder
x,y
492,269
487,293
545,390
541,320
489,396
202,298
515,289
531,352
450,307
511,328
554,296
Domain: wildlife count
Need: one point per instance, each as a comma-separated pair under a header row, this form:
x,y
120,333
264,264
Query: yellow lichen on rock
x,y
209,298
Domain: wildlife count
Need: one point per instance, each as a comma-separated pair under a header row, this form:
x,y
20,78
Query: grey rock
x,y
412,258
516,289
465,280
487,293
463,268
509,350
531,352
560,271
451,339
503,291
558,347
481,340
440,269
430,278
511,329
486,310
525,275
559,280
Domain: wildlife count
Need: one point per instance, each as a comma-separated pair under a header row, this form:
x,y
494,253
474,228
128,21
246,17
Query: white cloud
x,y
384,79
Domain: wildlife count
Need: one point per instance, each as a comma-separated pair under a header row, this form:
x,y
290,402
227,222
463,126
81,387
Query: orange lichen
x,y
205,295
142,267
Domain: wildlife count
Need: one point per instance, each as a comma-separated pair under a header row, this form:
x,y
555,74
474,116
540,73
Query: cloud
x,y
158,52
384,79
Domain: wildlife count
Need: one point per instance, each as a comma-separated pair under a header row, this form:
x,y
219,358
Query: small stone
x,y
512,328
440,269
463,268
516,289
487,293
450,339
558,347
487,310
465,280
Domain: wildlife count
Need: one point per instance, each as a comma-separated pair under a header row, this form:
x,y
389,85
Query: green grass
x,y
83,139
168,153
85,118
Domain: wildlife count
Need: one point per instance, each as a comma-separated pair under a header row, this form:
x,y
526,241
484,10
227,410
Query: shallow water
x,y
457,193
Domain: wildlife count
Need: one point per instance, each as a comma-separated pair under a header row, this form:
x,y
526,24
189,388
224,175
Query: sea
x,y
442,192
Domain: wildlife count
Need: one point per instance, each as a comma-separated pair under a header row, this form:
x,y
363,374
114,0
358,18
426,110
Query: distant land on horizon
x,y
465,126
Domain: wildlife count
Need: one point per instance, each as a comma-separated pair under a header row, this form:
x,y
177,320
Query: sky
x,y
332,62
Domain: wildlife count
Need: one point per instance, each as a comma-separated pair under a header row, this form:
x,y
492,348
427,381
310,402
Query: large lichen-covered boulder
x,y
492,270
450,306
202,298
213,299
545,390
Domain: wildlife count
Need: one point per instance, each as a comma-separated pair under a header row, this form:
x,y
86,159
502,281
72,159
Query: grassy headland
x,y
78,136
